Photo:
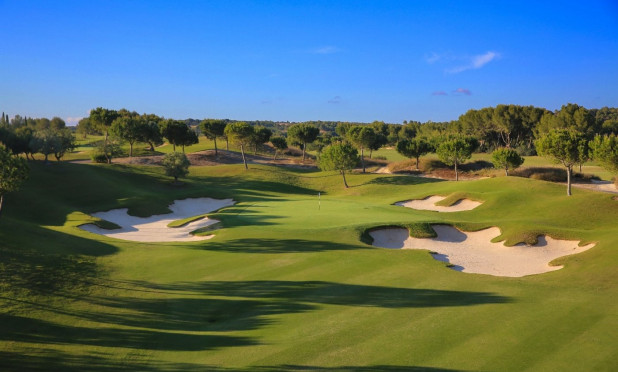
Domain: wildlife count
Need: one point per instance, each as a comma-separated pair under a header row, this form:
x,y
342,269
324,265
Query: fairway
x,y
287,282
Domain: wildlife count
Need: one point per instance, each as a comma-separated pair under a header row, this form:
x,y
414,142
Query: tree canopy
x,y
506,159
341,157
240,133
605,151
455,151
414,148
563,146
303,134
176,165
13,172
213,129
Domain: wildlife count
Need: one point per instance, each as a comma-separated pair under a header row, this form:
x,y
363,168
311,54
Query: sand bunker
x,y
429,204
154,228
473,252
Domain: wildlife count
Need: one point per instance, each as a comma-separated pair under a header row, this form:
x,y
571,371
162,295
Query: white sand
x,y
473,252
154,228
429,204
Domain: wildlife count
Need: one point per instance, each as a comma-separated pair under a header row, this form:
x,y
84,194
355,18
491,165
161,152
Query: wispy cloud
x,y
335,100
433,58
463,91
475,62
72,121
329,49
439,93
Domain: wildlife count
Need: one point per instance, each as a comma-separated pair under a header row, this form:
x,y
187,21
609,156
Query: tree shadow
x,y
319,292
45,360
274,246
57,262
401,180
20,329
190,314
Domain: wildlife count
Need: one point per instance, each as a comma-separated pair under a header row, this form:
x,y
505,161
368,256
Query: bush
x,y
97,157
542,173
524,150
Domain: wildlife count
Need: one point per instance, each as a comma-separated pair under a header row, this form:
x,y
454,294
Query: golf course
x,y
289,281
308,186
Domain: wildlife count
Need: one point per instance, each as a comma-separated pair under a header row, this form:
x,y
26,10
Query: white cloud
x,y
433,58
72,121
475,62
329,49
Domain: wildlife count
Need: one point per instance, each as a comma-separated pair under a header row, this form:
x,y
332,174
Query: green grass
x,y
185,221
286,285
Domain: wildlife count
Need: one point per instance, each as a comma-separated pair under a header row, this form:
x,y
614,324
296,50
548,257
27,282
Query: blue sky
x,y
305,60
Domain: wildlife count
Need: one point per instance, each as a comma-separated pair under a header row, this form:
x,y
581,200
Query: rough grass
x,y
286,285
185,221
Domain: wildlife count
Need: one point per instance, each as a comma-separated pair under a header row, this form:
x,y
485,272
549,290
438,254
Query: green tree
x,y
176,132
564,147
341,157
279,143
189,137
151,134
303,134
241,134
85,128
414,148
176,165
102,119
57,123
506,159
63,142
43,142
363,137
13,172
605,151
261,135
130,129
213,128
456,151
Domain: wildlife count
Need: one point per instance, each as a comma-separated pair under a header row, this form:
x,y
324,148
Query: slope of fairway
x,y
287,284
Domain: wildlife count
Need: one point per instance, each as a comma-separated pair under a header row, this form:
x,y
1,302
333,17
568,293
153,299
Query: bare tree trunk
x,y
456,174
506,170
569,180
109,160
151,146
417,162
216,153
275,158
242,151
227,144
304,146
1,198
370,153
363,158
345,183
130,149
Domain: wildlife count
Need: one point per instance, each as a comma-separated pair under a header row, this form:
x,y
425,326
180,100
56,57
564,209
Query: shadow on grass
x,y
331,293
276,246
40,260
401,180
21,329
191,314
53,360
